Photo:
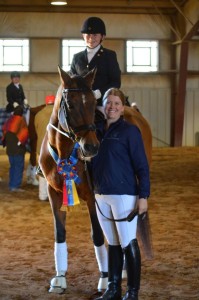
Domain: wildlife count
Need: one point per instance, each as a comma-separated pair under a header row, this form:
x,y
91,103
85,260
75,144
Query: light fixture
x,y
58,3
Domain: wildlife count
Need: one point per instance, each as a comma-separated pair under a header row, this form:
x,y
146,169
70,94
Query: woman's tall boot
x,y
115,264
133,269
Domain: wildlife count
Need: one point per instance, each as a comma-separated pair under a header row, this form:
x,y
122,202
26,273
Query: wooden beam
x,y
181,87
180,97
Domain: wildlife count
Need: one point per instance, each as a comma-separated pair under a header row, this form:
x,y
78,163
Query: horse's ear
x,y
89,77
64,77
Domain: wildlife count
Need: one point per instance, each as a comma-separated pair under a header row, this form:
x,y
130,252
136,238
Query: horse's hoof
x,y
102,284
56,290
32,181
35,182
58,285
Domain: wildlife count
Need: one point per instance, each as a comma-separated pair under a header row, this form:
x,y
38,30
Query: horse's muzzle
x,y
90,150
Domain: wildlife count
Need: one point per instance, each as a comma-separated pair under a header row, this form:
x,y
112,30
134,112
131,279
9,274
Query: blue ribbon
x,y
67,167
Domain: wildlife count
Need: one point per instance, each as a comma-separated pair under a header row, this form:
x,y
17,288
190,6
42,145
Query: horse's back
x,y
134,116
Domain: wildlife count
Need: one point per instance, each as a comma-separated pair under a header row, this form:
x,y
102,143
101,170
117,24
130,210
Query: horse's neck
x,y
62,144
134,117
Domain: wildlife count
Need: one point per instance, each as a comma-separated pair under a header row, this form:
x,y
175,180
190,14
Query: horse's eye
x,y
70,104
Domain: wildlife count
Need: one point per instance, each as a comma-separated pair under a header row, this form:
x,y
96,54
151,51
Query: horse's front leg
x,y
58,283
99,245
31,169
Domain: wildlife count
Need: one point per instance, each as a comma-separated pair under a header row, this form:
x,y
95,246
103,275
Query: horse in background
x,y
32,164
134,116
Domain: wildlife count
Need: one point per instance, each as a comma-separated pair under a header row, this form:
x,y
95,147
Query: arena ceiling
x,y
164,7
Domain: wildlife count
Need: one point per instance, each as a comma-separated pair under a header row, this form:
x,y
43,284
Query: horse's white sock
x,y
43,194
102,258
61,258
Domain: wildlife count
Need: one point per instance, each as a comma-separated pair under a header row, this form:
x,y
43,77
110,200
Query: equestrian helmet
x,y
15,74
50,99
93,25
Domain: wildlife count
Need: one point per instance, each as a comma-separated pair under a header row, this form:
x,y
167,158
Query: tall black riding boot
x,y
133,269
115,264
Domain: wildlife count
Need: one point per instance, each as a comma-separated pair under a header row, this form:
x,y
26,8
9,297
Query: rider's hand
x,y
25,102
97,94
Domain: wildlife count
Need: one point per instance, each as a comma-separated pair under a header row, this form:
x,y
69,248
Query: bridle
x,y
63,113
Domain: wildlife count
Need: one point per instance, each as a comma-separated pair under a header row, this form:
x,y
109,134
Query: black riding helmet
x,y
93,25
15,74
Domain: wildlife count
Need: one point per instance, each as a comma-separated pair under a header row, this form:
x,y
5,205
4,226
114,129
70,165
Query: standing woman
x,y
15,137
121,183
108,74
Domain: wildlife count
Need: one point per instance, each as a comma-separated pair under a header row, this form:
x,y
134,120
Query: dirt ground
x,y
27,237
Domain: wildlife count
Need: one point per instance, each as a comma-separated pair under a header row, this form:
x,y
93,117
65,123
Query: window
x,y
142,56
69,48
14,54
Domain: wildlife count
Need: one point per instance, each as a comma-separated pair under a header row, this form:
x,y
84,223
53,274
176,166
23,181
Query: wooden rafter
x,y
181,88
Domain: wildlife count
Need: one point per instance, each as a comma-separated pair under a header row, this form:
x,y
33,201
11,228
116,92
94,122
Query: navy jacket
x,y
120,166
108,72
14,94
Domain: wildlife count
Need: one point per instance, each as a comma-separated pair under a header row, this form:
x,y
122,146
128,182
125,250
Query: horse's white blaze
x,y
83,99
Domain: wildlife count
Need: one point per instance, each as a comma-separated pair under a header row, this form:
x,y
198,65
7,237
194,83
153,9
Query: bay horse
x,y
71,123
73,120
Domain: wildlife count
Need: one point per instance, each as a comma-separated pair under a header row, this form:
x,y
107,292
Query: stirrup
x,y
39,172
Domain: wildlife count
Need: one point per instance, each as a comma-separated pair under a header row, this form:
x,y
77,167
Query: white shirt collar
x,y
93,50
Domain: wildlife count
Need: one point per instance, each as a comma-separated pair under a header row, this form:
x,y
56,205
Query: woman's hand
x,y
142,205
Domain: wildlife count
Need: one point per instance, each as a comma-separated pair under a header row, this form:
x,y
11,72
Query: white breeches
x,y
117,207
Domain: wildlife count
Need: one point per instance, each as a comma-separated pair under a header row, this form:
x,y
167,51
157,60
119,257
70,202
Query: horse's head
x,y
77,110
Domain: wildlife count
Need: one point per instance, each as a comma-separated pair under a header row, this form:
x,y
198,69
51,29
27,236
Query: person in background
x,y
108,74
15,136
121,180
41,122
15,92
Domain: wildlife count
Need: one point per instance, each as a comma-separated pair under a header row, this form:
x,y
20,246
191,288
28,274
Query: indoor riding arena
x,y
27,261
157,45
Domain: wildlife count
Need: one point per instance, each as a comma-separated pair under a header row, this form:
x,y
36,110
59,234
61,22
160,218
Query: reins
x,y
129,218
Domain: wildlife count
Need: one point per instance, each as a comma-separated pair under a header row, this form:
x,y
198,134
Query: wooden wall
x,y
152,93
